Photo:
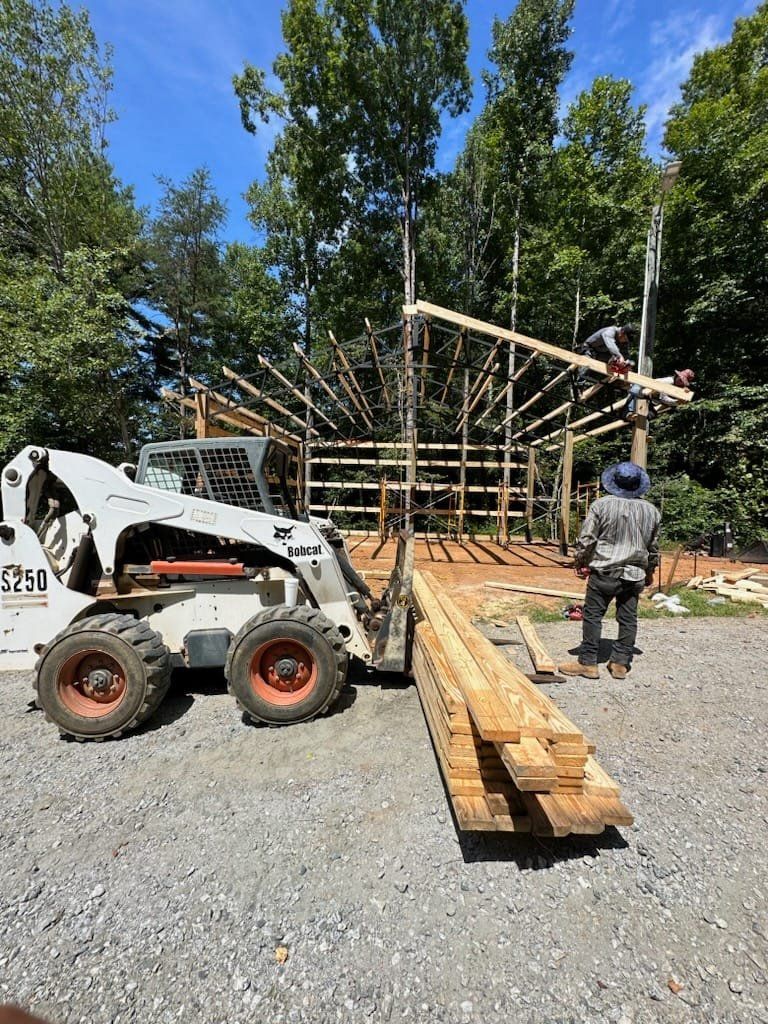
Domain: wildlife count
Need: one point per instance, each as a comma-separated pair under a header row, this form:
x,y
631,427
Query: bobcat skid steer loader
x,y
199,556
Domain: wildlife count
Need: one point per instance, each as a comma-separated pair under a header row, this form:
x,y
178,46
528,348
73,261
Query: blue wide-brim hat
x,y
626,480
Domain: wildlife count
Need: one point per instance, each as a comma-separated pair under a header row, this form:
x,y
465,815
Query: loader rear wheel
x,y
287,665
102,676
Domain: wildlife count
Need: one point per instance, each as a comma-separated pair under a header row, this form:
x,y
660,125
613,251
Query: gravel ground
x,y
155,878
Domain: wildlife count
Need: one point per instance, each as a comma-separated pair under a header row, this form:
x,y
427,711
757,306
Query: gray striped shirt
x,y
619,538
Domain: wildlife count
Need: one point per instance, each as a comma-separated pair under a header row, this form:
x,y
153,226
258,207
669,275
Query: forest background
x,y
540,224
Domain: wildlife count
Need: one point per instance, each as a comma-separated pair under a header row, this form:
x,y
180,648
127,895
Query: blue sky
x,y
174,61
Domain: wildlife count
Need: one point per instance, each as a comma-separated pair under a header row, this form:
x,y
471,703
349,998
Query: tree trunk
x,y
307,389
577,312
510,404
409,246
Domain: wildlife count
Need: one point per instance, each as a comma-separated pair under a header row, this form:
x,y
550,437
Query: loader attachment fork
x,y
394,642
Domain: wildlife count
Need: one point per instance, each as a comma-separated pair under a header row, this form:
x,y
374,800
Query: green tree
x,y
460,223
402,65
187,277
71,371
713,306
57,189
72,368
255,314
520,118
587,247
716,233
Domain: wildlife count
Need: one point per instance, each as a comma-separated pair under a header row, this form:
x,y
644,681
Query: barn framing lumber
x,y
364,406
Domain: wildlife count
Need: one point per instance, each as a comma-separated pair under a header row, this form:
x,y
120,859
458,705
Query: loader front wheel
x,y
287,665
102,676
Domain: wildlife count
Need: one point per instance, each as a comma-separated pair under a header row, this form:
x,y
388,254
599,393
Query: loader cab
x,y
257,473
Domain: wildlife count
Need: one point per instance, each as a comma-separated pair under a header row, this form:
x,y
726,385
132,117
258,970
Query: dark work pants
x,y
601,590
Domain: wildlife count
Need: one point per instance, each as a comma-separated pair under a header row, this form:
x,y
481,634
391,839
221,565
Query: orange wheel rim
x,y
283,672
91,684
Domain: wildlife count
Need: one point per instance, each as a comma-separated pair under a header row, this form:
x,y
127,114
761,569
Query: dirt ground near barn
x,y
466,567
164,876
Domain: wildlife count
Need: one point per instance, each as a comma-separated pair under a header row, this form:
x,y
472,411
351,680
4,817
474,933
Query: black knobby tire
x,y
144,664
289,630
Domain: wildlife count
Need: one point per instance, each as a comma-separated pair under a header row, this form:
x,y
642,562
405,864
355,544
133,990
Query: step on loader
x,y
198,556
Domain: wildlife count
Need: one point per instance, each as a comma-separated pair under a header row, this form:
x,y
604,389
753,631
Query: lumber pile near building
x,y
745,586
511,760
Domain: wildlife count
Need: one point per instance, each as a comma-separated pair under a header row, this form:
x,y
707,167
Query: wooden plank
x,y
736,577
563,355
493,719
597,781
565,494
351,443
327,460
376,363
673,568
527,758
560,814
541,660
511,682
263,361
512,380
473,812
530,486
524,588
249,388
741,596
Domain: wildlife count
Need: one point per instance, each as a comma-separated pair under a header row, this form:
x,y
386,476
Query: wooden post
x,y
530,486
411,404
565,496
640,434
201,415
463,457
502,519
671,574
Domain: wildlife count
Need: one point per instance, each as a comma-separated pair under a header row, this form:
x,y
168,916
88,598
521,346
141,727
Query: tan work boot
x,y
575,668
617,671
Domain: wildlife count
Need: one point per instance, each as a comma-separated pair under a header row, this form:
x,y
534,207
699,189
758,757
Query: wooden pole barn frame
x,y
404,426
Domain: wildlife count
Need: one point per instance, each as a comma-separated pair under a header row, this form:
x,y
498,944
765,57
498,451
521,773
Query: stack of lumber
x,y
511,760
745,586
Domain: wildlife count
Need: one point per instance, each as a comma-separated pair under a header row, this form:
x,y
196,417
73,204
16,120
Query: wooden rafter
x,y
656,387
452,367
549,386
377,362
340,354
467,411
233,416
246,385
512,380
229,404
316,375
298,394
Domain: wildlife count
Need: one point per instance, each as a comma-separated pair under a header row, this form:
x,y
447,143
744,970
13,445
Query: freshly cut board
x,y
510,758
538,652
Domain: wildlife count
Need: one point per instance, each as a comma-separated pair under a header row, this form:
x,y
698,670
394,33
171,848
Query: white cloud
x,y
618,14
675,41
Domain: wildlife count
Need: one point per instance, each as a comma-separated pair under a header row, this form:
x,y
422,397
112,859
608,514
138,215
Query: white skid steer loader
x,y
198,557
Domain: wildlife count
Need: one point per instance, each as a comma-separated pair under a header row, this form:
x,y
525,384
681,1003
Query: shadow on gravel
x,y
535,853
363,676
604,654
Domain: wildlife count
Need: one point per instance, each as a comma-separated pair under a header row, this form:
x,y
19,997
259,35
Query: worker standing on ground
x,y
608,345
618,550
